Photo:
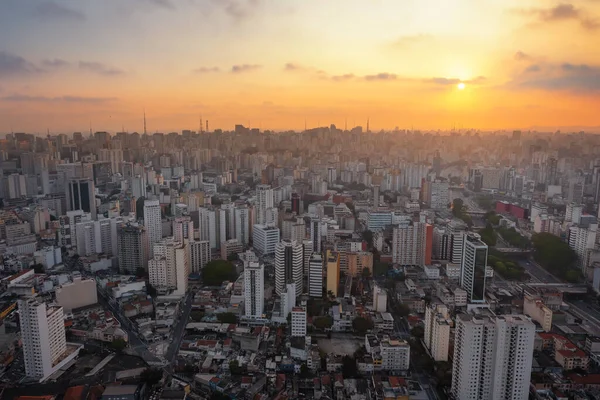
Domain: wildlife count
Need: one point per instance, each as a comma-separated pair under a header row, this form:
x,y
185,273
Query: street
x,y
538,273
179,330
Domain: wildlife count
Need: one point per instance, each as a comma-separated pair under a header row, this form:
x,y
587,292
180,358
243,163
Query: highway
x,y
538,273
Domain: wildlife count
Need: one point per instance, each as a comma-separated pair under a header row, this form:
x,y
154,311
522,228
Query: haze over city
x,y
525,64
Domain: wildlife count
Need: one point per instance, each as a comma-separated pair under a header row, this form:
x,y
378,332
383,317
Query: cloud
x,y
454,81
383,76
291,67
580,78
411,39
236,69
206,70
11,64
55,63
163,3
341,78
66,99
238,9
99,68
533,68
563,12
520,56
51,11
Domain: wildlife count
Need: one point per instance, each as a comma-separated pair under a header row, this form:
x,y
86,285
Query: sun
x,y
461,86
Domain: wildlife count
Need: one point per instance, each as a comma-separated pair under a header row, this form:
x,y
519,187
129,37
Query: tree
x,y
151,376
140,272
349,369
304,371
553,254
366,273
403,310
362,325
38,268
488,235
233,257
234,368
218,271
227,318
458,207
118,345
380,269
418,332
325,322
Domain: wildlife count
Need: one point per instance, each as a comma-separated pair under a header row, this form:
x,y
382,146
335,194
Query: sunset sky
x,y
275,63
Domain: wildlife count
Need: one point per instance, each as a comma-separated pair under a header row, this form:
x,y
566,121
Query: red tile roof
x,y
74,393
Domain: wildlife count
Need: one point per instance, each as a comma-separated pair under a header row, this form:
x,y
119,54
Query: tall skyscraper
x,y
242,225
153,224
43,336
207,226
315,276
132,248
17,186
492,357
254,296
288,265
474,262
582,240
81,196
298,322
264,201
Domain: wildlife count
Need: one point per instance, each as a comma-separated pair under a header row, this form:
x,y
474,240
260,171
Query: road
x,y
179,331
135,343
538,273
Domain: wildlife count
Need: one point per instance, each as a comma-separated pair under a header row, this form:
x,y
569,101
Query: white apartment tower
x,y
43,336
254,296
169,268
315,276
581,240
265,239
153,224
492,357
242,225
183,229
409,243
437,331
264,201
289,260
207,226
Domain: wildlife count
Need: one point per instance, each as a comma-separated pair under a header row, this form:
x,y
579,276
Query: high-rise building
x,y
582,240
412,243
438,195
492,357
43,337
573,213
395,355
315,276
207,226
132,248
264,201
199,254
183,229
17,186
379,299
153,224
242,225
437,331
169,268
254,296
315,235
333,272
474,262
288,265
298,321
81,196
376,195
456,236
265,239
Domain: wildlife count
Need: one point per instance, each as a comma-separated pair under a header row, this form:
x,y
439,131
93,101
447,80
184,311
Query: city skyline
x,y
279,66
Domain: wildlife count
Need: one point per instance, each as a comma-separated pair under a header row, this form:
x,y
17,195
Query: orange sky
x,y
274,64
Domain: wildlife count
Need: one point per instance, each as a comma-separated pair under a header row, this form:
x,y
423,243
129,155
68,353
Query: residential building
x,y
265,239
412,243
315,276
43,337
81,195
288,265
333,272
254,291
379,299
534,307
437,331
264,201
358,262
132,244
492,357
199,254
183,229
153,224
78,293
169,269
298,321
395,355
582,240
